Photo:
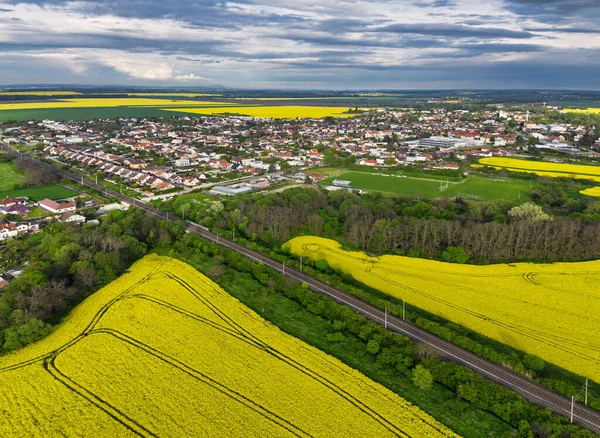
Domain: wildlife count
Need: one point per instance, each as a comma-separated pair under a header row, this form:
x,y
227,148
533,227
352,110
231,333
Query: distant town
x,y
154,159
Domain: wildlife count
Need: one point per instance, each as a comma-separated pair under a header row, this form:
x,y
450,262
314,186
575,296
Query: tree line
x,y
489,232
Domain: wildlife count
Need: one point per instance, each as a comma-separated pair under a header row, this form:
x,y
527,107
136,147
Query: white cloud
x,y
190,77
147,69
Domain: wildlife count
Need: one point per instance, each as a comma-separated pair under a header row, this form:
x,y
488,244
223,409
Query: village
x,y
159,156
227,156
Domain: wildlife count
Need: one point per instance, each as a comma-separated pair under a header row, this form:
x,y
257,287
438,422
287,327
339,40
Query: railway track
x,y
531,391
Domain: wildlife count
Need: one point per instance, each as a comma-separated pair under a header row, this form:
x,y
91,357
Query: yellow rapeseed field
x,y
175,94
583,110
103,103
544,168
592,191
275,112
164,351
551,310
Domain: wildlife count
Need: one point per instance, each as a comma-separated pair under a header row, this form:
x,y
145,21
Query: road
x,y
531,391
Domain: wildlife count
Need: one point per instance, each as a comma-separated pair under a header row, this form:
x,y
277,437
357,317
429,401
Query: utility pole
x,y
586,390
217,238
572,407
301,263
283,269
403,310
385,319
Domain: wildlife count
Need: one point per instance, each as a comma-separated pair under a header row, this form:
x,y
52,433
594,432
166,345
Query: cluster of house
x,y
155,156
21,206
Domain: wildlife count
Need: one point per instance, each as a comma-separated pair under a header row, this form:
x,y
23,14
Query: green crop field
x,y
38,193
9,177
475,188
85,113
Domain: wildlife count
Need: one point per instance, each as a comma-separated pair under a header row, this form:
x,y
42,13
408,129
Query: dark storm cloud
x,y
480,49
436,3
454,31
563,7
565,29
306,40
555,11
203,13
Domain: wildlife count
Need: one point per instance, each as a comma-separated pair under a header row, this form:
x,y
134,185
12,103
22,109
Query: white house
x,y
72,218
56,207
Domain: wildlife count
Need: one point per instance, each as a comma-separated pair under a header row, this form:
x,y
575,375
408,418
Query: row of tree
x,y
496,231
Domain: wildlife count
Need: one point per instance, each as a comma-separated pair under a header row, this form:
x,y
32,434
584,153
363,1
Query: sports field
x,y
9,177
165,352
388,184
485,189
53,192
475,188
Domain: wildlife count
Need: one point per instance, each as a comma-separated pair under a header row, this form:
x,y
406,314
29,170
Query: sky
x,y
303,44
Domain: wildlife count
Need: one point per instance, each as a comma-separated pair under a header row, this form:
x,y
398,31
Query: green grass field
x,y
38,193
335,171
9,177
514,190
389,184
474,188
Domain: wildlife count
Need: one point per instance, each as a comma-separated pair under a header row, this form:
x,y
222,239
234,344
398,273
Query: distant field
x,y
38,193
544,168
175,94
388,184
275,112
583,110
39,93
164,351
104,103
152,105
9,177
85,113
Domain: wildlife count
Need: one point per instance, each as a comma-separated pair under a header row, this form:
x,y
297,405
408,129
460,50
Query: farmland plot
x,y
551,310
164,351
